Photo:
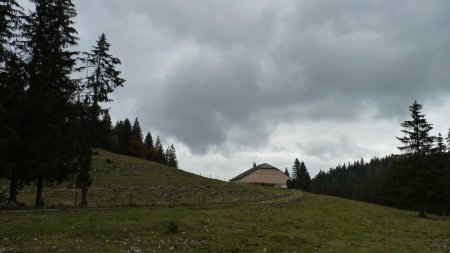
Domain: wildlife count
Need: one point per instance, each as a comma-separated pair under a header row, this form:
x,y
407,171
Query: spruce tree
x,y
440,145
49,34
12,96
106,131
159,151
286,172
294,183
448,139
11,18
136,132
304,178
12,101
83,148
104,77
101,80
123,132
416,140
413,177
171,157
439,166
148,141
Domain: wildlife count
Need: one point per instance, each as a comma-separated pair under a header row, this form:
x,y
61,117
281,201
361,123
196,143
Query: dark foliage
x,y
358,180
49,35
416,180
300,177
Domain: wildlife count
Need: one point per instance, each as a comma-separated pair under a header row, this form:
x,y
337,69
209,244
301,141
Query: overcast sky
x,y
236,82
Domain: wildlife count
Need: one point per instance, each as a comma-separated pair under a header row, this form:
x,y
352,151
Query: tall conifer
x,y
136,132
49,35
12,95
413,176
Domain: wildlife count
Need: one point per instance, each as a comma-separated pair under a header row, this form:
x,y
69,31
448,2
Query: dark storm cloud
x,y
209,73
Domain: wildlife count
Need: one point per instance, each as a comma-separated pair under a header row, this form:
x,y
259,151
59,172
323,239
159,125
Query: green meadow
x,y
140,206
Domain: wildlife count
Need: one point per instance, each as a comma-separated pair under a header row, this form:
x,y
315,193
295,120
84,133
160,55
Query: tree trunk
x,y
422,212
13,190
40,187
84,191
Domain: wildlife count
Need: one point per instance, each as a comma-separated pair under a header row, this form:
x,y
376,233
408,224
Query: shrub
x,y
172,227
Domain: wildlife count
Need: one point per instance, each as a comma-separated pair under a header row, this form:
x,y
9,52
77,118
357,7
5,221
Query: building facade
x,y
264,174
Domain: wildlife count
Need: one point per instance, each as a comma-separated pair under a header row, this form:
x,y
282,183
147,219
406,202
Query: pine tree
x,y
123,131
150,150
12,101
104,77
448,139
413,177
440,145
417,140
149,141
83,148
294,183
11,18
159,151
106,131
49,34
136,132
286,172
12,95
439,166
167,155
101,81
171,157
304,178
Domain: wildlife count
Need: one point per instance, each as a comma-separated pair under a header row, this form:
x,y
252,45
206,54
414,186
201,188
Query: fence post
x,y
76,199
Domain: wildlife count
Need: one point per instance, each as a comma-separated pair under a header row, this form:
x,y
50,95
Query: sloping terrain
x,y
204,215
120,180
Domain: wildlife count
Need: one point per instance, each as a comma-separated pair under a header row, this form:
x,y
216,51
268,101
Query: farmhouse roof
x,y
261,166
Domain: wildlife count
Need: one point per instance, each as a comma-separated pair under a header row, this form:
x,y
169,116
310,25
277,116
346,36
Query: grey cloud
x,y
209,73
326,149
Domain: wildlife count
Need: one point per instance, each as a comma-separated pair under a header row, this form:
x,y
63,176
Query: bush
x,y
172,227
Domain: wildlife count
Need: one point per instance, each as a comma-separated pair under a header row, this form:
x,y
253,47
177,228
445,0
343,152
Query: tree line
x,y
416,179
50,121
126,138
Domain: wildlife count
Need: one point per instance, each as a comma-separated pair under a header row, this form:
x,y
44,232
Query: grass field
x,y
231,218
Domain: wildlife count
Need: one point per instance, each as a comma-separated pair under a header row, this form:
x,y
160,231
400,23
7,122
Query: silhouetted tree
x,y
159,152
304,178
294,182
440,145
49,35
136,132
12,102
448,139
82,133
413,175
12,96
150,150
148,141
123,131
171,157
106,131
102,80
286,172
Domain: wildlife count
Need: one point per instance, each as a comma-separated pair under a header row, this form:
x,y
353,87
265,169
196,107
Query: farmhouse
x,y
262,174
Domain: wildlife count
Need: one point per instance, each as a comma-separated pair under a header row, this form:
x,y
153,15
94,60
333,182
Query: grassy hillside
x,y
264,220
116,178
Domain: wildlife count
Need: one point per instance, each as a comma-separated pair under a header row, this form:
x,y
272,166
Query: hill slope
x,y
257,222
